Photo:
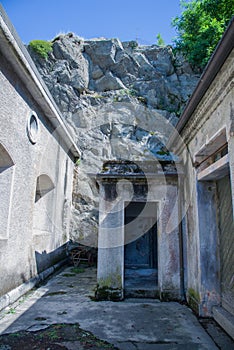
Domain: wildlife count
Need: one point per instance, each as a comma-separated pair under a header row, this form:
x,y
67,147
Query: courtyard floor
x,y
61,314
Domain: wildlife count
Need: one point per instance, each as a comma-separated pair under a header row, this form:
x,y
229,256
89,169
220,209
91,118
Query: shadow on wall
x,y
45,260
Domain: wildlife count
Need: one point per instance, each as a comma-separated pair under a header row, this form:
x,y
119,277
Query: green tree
x,y
200,27
160,41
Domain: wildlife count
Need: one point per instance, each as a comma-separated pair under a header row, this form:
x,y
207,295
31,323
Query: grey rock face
x,y
108,82
120,101
102,52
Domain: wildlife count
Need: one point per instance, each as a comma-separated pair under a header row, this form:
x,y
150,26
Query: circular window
x,y
33,127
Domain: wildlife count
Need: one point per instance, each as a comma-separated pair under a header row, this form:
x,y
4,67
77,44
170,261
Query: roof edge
x,y
41,93
219,56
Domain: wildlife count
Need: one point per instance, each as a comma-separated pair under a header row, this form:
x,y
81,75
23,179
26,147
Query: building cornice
x,y
217,92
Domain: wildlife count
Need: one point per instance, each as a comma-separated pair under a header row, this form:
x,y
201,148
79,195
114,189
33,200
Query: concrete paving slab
x,y
132,324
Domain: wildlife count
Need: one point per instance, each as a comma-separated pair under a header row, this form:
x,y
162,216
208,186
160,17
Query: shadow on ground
x,y
61,314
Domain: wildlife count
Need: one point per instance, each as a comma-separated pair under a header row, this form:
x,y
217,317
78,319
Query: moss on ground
x,y
53,338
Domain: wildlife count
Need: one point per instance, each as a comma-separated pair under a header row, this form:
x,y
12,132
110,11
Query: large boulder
x,y
108,82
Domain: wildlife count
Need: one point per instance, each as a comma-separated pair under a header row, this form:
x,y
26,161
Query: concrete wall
x,y
32,231
209,127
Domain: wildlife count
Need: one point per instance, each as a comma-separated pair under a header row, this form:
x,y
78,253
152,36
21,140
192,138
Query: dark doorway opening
x,y
140,252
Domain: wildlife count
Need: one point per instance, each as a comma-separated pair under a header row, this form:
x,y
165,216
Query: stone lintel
x,y
136,178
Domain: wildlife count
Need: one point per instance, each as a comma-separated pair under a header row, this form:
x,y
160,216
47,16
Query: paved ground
x,y
133,324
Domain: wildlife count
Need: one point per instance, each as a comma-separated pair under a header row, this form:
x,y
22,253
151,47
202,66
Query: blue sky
x,y
125,19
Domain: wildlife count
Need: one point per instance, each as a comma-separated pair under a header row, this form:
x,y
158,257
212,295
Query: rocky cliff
x,y
120,101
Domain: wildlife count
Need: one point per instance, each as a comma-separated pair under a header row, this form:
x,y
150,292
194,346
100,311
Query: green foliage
x,y
160,41
11,311
77,163
200,27
41,47
133,44
14,335
142,99
77,270
52,334
68,274
193,294
130,92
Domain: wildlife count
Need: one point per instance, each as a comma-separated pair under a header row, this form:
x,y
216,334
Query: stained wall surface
x,y
208,158
36,172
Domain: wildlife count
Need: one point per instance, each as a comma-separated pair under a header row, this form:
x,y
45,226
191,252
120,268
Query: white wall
x,y
35,230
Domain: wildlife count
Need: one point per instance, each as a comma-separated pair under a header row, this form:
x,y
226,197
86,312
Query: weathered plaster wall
x,y
30,244
213,114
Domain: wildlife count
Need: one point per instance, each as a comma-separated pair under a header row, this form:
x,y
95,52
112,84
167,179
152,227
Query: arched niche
x,y
44,185
43,218
6,190
5,159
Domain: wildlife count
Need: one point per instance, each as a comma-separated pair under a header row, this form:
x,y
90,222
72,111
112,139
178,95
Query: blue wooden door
x,y
142,252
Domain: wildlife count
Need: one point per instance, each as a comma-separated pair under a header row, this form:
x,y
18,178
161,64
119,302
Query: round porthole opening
x,y
33,128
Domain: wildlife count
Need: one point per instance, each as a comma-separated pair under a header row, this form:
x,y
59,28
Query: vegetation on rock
x,y
160,41
200,27
41,47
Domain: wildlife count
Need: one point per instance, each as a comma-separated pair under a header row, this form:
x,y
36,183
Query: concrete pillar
x,y
168,247
110,244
